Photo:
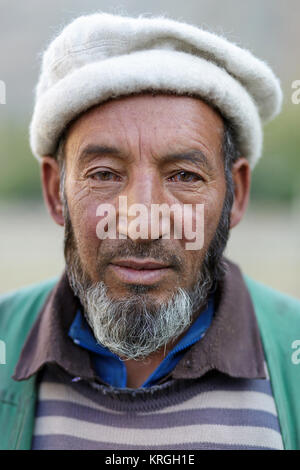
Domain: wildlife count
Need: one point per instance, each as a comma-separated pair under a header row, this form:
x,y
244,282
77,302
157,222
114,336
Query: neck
x,y
138,371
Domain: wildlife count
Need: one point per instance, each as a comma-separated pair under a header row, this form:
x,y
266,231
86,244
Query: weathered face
x,y
153,150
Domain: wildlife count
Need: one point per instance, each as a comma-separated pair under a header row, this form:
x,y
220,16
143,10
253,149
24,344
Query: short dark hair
x,y
231,154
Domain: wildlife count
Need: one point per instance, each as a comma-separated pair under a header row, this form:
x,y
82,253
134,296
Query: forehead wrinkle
x,y
137,141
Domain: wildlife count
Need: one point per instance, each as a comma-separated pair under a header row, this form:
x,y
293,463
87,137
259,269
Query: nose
x,y
136,205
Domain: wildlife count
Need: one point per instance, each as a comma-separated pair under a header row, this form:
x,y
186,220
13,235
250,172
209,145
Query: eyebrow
x,y
93,149
195,156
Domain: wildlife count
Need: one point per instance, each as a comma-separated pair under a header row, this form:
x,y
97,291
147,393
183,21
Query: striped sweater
x,y
213,412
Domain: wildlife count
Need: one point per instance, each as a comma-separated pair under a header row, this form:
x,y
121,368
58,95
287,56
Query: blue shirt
x,y
112,370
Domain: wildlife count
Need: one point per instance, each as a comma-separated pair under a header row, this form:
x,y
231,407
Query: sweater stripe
x,y
230,399
219,434
231,417
61,442
197,414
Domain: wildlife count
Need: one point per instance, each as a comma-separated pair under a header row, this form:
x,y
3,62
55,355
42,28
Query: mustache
x,y
127,248
109,250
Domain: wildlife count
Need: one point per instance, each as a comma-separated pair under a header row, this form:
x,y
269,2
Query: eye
x,y
105,176
185,177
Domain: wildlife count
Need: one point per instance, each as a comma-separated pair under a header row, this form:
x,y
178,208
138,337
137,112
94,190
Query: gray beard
x,y
135,327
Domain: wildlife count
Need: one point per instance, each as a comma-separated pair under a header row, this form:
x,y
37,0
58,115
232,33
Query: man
x,y
148,341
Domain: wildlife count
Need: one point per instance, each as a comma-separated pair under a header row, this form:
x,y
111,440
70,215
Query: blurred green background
x,y
267,242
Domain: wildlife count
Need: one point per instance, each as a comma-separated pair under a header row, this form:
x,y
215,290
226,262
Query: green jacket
x,y
278,318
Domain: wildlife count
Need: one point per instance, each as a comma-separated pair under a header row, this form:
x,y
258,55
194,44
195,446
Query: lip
x,y
140,264
134,271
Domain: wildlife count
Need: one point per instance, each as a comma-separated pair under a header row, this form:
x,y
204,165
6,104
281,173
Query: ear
x,y
241,174
50,175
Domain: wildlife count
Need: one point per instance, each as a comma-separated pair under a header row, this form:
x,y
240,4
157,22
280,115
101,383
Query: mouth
x,y
136,271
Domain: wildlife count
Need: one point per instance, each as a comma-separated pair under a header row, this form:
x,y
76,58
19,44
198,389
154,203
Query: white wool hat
x,y
103,56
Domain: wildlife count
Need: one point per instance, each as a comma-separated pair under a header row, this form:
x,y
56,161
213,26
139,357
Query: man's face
x,y
153,150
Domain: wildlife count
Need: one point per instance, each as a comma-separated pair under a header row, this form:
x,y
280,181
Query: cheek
x,y
211,221
200,221
84,220
213,209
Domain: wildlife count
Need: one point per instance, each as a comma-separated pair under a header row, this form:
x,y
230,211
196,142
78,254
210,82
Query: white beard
x,y
133,328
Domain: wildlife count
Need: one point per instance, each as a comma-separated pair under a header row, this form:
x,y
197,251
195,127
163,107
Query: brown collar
x,y
231,345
